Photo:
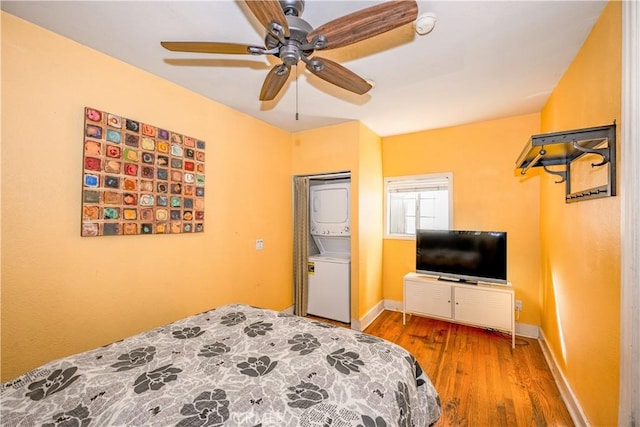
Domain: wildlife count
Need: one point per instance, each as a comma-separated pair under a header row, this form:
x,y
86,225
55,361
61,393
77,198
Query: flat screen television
x,y
466,256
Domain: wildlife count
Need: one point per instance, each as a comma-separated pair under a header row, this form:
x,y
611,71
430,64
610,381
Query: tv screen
x,y
469,256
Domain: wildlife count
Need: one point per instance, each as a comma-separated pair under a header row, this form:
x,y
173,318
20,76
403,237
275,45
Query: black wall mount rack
x,y
562,148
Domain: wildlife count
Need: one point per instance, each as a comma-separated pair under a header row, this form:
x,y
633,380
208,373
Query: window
x,y
413,202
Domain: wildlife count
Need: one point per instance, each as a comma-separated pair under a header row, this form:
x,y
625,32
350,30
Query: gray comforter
x,y
235,365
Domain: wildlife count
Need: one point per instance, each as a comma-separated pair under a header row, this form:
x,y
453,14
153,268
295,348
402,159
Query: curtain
x,y
300,243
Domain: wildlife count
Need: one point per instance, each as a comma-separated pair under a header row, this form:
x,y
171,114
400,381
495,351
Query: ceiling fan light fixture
x,y
425,23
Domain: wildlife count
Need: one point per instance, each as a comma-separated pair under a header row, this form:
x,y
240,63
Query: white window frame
x,y
415,181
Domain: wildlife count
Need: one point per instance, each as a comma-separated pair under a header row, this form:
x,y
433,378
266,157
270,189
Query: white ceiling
x,y
483,60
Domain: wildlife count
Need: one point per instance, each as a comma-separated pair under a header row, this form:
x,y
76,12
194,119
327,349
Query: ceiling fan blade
x,y
366,23
276,78
211,47
338,75
267,12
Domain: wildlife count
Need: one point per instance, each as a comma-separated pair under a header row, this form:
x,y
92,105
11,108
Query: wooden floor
x,y
481,380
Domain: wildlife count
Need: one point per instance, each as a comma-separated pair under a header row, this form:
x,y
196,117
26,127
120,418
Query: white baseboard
x,y
526,330
573,406
288,310
368,318
392,305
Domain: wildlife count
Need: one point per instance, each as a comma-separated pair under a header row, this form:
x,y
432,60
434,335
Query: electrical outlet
x,y
519,305
259,244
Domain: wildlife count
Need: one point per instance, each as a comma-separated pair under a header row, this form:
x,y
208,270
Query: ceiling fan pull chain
x,y
296,91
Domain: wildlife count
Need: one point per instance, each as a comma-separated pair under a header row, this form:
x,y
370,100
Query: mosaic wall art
x,y
139,178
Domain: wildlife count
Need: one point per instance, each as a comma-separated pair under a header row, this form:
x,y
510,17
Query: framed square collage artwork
x,y
139,178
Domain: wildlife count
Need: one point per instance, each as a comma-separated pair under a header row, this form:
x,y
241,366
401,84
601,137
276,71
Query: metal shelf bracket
x,y
604,152
561,174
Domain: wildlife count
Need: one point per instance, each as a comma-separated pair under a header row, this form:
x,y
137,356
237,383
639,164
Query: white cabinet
x,y
486,306
432,300
483,307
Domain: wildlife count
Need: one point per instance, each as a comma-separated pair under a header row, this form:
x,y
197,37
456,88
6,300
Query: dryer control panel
x,y
330,231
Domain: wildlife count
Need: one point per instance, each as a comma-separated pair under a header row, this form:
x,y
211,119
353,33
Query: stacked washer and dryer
x,y
329,271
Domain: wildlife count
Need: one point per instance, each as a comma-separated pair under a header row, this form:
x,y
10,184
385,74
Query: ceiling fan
x,y
292,39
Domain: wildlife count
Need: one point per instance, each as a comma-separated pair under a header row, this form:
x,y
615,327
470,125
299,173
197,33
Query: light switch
x,y
259,244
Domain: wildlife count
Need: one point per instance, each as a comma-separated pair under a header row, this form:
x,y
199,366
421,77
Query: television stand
x,y
483,305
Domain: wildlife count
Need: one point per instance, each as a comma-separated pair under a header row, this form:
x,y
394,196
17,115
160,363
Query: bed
x,y
235,365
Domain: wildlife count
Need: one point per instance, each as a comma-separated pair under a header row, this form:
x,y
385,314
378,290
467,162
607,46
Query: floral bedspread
x,y
235,365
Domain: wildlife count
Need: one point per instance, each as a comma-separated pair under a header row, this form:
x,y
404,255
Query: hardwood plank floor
x,y
481,380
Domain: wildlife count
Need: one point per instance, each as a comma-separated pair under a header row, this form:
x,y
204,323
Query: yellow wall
x,y
580,241
61,293
326,149
488,194
370,220
351,147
